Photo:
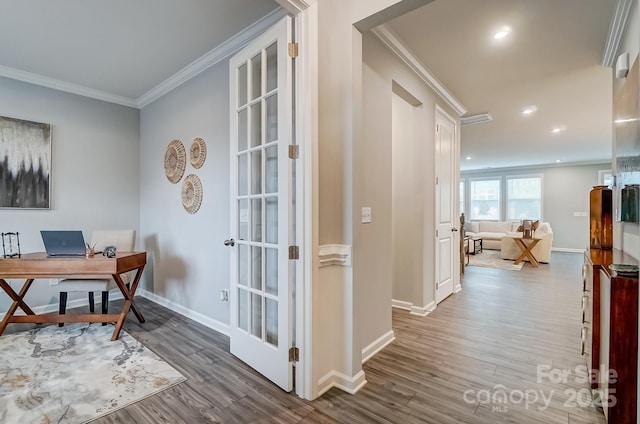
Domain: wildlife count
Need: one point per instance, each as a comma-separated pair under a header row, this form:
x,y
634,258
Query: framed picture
x,y
25,164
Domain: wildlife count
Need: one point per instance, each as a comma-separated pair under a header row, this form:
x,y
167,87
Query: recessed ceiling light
x,y
468,158
502,33
558,129
558,161
529,110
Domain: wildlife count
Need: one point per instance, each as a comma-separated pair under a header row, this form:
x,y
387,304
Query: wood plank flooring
x,y
448,367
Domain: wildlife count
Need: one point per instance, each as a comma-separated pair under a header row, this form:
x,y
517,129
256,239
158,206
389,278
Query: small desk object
x,y
33,266
526,248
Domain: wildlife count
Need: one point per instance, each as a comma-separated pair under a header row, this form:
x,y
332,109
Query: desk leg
x,y
17,301
129,303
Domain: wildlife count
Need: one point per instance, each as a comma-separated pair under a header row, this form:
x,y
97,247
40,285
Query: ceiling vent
x,y
476,119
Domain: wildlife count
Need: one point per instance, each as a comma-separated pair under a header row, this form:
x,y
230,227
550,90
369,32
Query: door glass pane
x,y
243,186
243,309
271,219
243,265
271,127
256,76
242,130
242,85
271,169
256,172
256,219
272,67
256,267
271,321
256,315
271,271
256,124
243,219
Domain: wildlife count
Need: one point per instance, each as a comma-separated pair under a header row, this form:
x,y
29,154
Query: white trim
x,y
345,383
215,56
567,249
377,345
457,288
67,87
422,311
216,325
616,29
295,6
396,46
334,254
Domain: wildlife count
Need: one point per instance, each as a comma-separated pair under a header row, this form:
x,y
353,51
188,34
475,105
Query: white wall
x,y
94,180
189,263
627,235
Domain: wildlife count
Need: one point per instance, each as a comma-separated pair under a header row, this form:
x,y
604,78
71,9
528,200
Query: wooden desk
x,y
525,249
33,266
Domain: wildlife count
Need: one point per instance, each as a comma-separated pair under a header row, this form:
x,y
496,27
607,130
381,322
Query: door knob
x,y
230,242
454,229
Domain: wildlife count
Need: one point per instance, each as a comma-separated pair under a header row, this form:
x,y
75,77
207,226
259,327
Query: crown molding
x,y
616,29
67,87
334,254
393,43
215,56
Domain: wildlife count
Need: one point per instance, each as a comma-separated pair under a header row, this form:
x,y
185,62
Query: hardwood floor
x,y
448,367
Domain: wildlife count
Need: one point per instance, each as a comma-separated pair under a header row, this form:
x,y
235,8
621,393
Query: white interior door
x,y
447,252
261,205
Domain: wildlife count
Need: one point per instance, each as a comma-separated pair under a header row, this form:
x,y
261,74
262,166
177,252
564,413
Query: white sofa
x,y
491,232
541,251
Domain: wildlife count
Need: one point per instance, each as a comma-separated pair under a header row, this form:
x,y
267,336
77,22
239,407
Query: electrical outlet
x,y
224,295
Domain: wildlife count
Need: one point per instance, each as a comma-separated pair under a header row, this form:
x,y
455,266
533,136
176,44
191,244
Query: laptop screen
x,y
63,243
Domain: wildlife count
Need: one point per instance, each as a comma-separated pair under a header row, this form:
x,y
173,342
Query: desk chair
x,y
124,241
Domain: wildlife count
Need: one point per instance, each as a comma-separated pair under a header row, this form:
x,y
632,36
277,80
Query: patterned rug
x,y
491,259
75,374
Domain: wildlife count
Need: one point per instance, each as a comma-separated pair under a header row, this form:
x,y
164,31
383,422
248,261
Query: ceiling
x,y
551,59
123,50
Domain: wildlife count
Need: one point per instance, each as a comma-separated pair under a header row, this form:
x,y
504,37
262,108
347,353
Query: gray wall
x,y
94,181
189,264
565,190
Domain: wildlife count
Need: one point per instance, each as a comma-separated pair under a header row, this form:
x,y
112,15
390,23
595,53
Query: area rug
x,y
491,259
75,373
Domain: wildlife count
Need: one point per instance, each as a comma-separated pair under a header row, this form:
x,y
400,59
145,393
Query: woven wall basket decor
x,y
175,160
197,153
191,193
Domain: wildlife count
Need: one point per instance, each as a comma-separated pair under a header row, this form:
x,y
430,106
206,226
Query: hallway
x,y
506,337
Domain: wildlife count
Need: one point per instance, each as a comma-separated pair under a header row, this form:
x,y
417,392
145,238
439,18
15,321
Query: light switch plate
x,y
366,215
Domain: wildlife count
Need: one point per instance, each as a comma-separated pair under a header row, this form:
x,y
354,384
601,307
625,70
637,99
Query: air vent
x,y
476,119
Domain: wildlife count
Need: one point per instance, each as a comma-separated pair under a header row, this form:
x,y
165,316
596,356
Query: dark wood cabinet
x,y
610,334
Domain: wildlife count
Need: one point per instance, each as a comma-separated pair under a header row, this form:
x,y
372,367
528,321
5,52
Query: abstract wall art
x,y
25,164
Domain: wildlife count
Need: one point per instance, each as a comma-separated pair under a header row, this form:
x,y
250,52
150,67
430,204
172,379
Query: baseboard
x,y
457,288
401,304
338,380
75,303
567,249
196,316
422,311
380,343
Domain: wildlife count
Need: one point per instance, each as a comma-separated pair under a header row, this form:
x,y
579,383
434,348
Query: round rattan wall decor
x,y
175,160
197,153
191,193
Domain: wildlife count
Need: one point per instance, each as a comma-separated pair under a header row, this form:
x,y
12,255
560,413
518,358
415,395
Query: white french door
x,y
261,205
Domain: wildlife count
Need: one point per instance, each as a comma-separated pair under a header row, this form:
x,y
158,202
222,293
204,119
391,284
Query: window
x,y
484,202
605,177
462,196
524,197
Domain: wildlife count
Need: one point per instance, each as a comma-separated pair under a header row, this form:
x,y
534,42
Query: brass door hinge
x,y
294,354
293,50
294,151
294,252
